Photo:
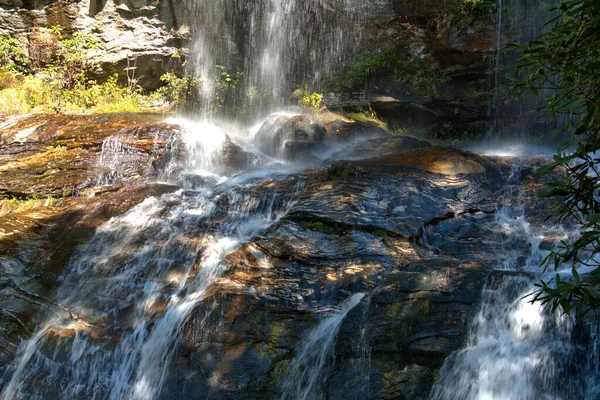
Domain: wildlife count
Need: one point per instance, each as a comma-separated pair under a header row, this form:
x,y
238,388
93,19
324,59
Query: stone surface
x,y
289,137
415,230
143,33
418,240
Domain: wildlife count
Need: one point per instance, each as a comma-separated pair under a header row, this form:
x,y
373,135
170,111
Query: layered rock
x,y
140,34
416,231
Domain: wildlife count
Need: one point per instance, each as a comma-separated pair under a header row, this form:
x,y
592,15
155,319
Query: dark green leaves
x,y
566,61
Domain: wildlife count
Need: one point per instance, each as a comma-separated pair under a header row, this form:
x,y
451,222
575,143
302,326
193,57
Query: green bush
x,y
566,61
478,8
312,102
178,90
12,55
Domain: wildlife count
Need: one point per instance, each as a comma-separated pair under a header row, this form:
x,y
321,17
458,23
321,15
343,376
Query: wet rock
x,y
441,161
381,226
60,156
36,244
415,230
289,137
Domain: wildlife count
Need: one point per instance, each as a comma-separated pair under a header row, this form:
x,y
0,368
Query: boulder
x,y
289,138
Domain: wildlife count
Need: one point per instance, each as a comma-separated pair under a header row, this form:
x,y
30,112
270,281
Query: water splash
x,y
516,350
306,369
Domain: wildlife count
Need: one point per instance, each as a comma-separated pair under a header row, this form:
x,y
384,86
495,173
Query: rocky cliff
x,y
142,34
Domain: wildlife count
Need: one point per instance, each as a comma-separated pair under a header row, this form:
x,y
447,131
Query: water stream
x,y
129,290
277,44
306,368
517,350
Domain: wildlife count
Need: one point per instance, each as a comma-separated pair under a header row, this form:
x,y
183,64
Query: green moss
x,y
396,309
321,226
281,370
18,206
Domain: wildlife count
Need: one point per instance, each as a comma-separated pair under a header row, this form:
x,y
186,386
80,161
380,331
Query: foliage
x,y
312,101
178,90
57,77
413,71
12,55
478,8
14,205
368,116
72,61
564,66
227,90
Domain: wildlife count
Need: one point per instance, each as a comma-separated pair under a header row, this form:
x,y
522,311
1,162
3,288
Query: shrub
x,y
312,101
478,8
12,55
178,90
565,60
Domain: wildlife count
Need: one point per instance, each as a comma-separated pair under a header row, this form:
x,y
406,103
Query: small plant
x,y
12,56
368,116
312,102
178,90
421,77
478,8
73,63
227,91
15,205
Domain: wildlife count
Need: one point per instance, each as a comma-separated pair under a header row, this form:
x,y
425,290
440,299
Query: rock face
x,y
418,239
66,176
60,156
415,230
136,33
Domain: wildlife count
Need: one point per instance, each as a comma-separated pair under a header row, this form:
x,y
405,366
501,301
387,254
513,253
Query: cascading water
x,y
279,45
517,350
129,291
516,120
306,369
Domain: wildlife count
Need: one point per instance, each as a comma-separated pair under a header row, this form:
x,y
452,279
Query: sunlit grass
x,y
17,206
32,94
369,118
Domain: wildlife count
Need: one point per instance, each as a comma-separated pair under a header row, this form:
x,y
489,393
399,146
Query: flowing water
x,y
279,45
306,368
519,21
517,350
128,292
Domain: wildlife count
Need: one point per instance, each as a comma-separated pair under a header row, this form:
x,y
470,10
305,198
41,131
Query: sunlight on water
x,y
513,149
306,370
516,350
131,288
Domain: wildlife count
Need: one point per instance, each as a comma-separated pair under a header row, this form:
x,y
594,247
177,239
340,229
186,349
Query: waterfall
x,y
128,292
519,21
278,45
517,350
306,371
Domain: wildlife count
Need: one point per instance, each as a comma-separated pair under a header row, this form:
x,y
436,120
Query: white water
x,y
306,371
517,350
277,44
130,290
